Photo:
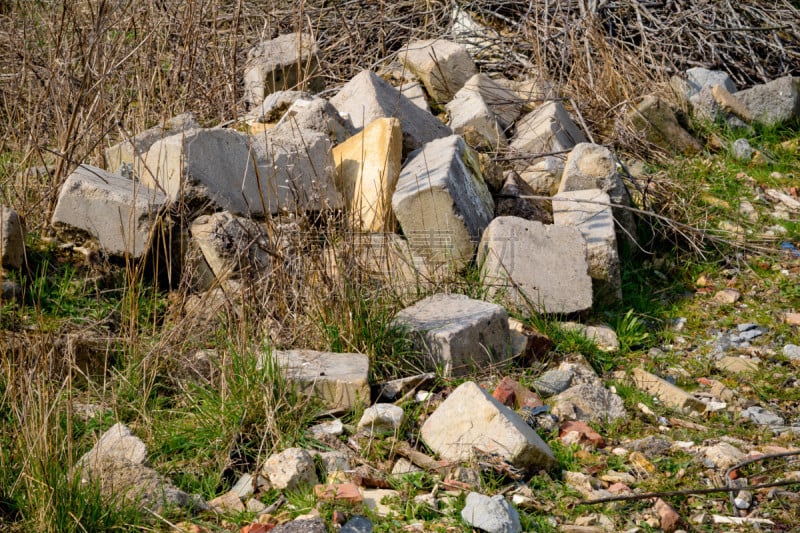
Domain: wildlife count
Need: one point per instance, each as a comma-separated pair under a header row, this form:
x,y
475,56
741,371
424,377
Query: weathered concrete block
x,y
544,176
456,332
471,419
547,129
382,419
506,105
471,118
270,111
667,392
296,170
367,169
12,238
290,469
595,221
476,38
441,201
286,62
442,66
526,263
128,151
316,114
118,212
700,78
367,97
340,380
655,118
233,247
774,102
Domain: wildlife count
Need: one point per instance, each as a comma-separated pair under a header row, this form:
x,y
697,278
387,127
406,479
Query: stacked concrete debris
x,y
422,200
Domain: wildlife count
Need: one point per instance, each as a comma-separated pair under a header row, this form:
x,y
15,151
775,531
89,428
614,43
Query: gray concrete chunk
x,y
118,212
442,202
506,105
471,118
774,102
457,333
340,380
700,78
545,130
128,151
470,419
367,97
590,211
442,66
286,62
12,238
526,263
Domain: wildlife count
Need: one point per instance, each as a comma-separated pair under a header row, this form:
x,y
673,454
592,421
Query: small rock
x,y
650,446
392,390
741,150
513,394
382,419
553,382
339,492
727,296
792,319
244,487
228,502
723,455
585,433
357,524
329,427
493,515
762,417
404,466
792,351
737,365
589,403
254,506
290,469
373,499
669,518
314,525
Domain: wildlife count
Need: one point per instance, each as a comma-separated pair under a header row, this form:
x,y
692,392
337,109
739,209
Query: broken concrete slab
x,y
668,393
129,150
471,118
775,102
367,169
546,130
699,78
315,114
12,238
340,380
119,213
544,175
535,267
654,117
367,97
470,419
442,202
442,66
457,333
286,62
590,212
506,105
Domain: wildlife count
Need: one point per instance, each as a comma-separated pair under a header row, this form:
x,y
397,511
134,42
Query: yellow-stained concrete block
x,y
367,168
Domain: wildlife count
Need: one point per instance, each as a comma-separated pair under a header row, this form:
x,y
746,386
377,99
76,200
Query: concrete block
x,y
457,333
596,223
367,97
471,419
286,62
471,118
476,38
544,175
316,114
127,151
340,380
273,107
442,66
526,263
12,238
441,201
367,169
667,392
547,129
512,202
291,469
775,102
700,78
296,170
655,119
118,212
233,247
506,105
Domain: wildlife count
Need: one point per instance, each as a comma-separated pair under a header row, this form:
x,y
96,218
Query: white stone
x,y
774,102
545,130
535,267
375,500
120,213
128,151
456,333
442,202
471,118
12,238
590,212
117,443
290,469
491,514
699,78
506,105
442,66
471,418
382,419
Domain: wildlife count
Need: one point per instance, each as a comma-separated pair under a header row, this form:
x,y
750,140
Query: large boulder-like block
x,y
296,170
340,380
591,166
12,238
442,202
442,66
546,130
775,102
118,212
204,165
127,151
590,211
530,265
286,62
457,333
367,97
471,118
470,419
655,118
367,169
506,105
